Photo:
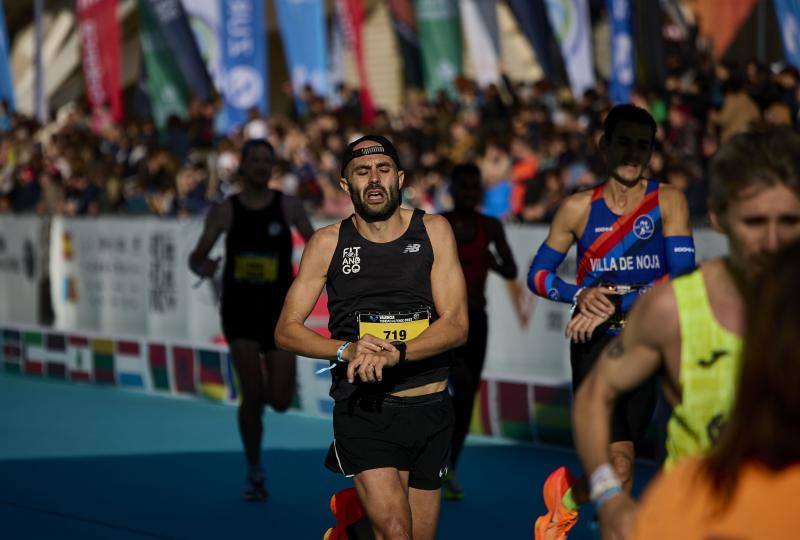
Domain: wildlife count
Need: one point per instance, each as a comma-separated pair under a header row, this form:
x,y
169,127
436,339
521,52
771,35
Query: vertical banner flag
x,y
405,28
6,84
440,40
622,62
204,20
244,61
788,13
99,33
336,54
479,23
570,20
532,18
39,88
302,24
167,89
172,22
351,17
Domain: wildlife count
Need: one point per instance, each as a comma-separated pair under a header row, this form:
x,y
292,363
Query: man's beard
x,y
382,213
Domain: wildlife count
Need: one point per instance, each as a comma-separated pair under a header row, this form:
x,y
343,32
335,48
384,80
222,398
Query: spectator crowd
x,y
534,143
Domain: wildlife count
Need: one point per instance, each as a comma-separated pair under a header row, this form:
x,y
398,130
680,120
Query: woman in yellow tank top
x,y
747,487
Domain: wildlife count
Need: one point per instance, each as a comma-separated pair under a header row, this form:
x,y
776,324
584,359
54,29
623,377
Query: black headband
x,y
382,146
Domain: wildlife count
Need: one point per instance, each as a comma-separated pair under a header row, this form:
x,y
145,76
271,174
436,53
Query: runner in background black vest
x,y
397,305
474,233
256,278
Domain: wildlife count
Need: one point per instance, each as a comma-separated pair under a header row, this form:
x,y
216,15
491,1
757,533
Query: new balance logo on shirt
x,y
411,248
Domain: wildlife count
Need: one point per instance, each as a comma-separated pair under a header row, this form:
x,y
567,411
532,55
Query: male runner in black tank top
x,y
474,234
398,304
257,275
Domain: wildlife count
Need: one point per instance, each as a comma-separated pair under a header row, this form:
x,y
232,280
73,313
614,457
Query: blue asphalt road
x,y
80,461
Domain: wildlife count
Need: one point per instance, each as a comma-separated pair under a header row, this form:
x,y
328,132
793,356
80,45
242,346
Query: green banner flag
x,y
440,41
168,91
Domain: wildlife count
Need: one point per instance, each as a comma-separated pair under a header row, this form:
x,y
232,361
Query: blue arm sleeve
x,y
680,254
542,278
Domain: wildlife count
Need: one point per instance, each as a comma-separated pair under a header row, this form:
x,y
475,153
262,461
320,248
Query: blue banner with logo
x,y
6,84
302,24
788,14
622,61
244,61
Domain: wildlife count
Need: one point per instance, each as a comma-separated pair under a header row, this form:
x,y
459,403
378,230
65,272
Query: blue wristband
x,y
680,254
339,353
542,278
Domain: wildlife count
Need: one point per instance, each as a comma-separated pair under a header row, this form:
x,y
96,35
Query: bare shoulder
x,y
575,206
437,225
324,240
655,315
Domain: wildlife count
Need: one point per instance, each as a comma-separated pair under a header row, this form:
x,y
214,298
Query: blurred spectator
x,y
534,143
738,111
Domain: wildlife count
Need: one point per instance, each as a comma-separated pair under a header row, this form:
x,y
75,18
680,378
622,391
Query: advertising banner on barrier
x,y
20,268
130,276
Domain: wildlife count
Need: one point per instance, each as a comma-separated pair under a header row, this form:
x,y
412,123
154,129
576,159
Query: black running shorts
x,y
633,410
406,433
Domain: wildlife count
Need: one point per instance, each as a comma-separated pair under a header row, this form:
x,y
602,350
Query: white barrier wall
x,y
129,276
20,268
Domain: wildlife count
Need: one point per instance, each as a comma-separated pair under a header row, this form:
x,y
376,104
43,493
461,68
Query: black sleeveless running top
x,y
383,289
258,254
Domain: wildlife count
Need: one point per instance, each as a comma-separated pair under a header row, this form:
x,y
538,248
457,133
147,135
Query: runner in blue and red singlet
x,y
631,231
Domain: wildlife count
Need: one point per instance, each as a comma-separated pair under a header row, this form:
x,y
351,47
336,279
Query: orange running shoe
x,y
346,508
558,520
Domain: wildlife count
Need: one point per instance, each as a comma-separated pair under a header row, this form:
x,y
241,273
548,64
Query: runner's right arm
x,y
629,360
216,223
542,277
291,333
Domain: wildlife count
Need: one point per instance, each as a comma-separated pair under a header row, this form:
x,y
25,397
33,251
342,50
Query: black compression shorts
x,y
406,433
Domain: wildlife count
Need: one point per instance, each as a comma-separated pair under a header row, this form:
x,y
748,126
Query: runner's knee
x,y
393,527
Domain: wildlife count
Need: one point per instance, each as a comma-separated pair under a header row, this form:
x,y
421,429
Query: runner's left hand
x,y
369,365
581,327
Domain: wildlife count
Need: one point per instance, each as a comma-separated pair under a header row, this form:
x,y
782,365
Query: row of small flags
x,y
513,410
147,366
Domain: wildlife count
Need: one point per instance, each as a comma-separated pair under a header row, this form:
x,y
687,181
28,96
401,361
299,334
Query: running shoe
x,y
347,509
255,488
558,520
452,487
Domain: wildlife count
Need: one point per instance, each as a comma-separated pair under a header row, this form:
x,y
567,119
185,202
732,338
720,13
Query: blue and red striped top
x,y
622,250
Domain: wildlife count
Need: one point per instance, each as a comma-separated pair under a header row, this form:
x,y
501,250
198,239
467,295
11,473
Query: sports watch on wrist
x,y
401,348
